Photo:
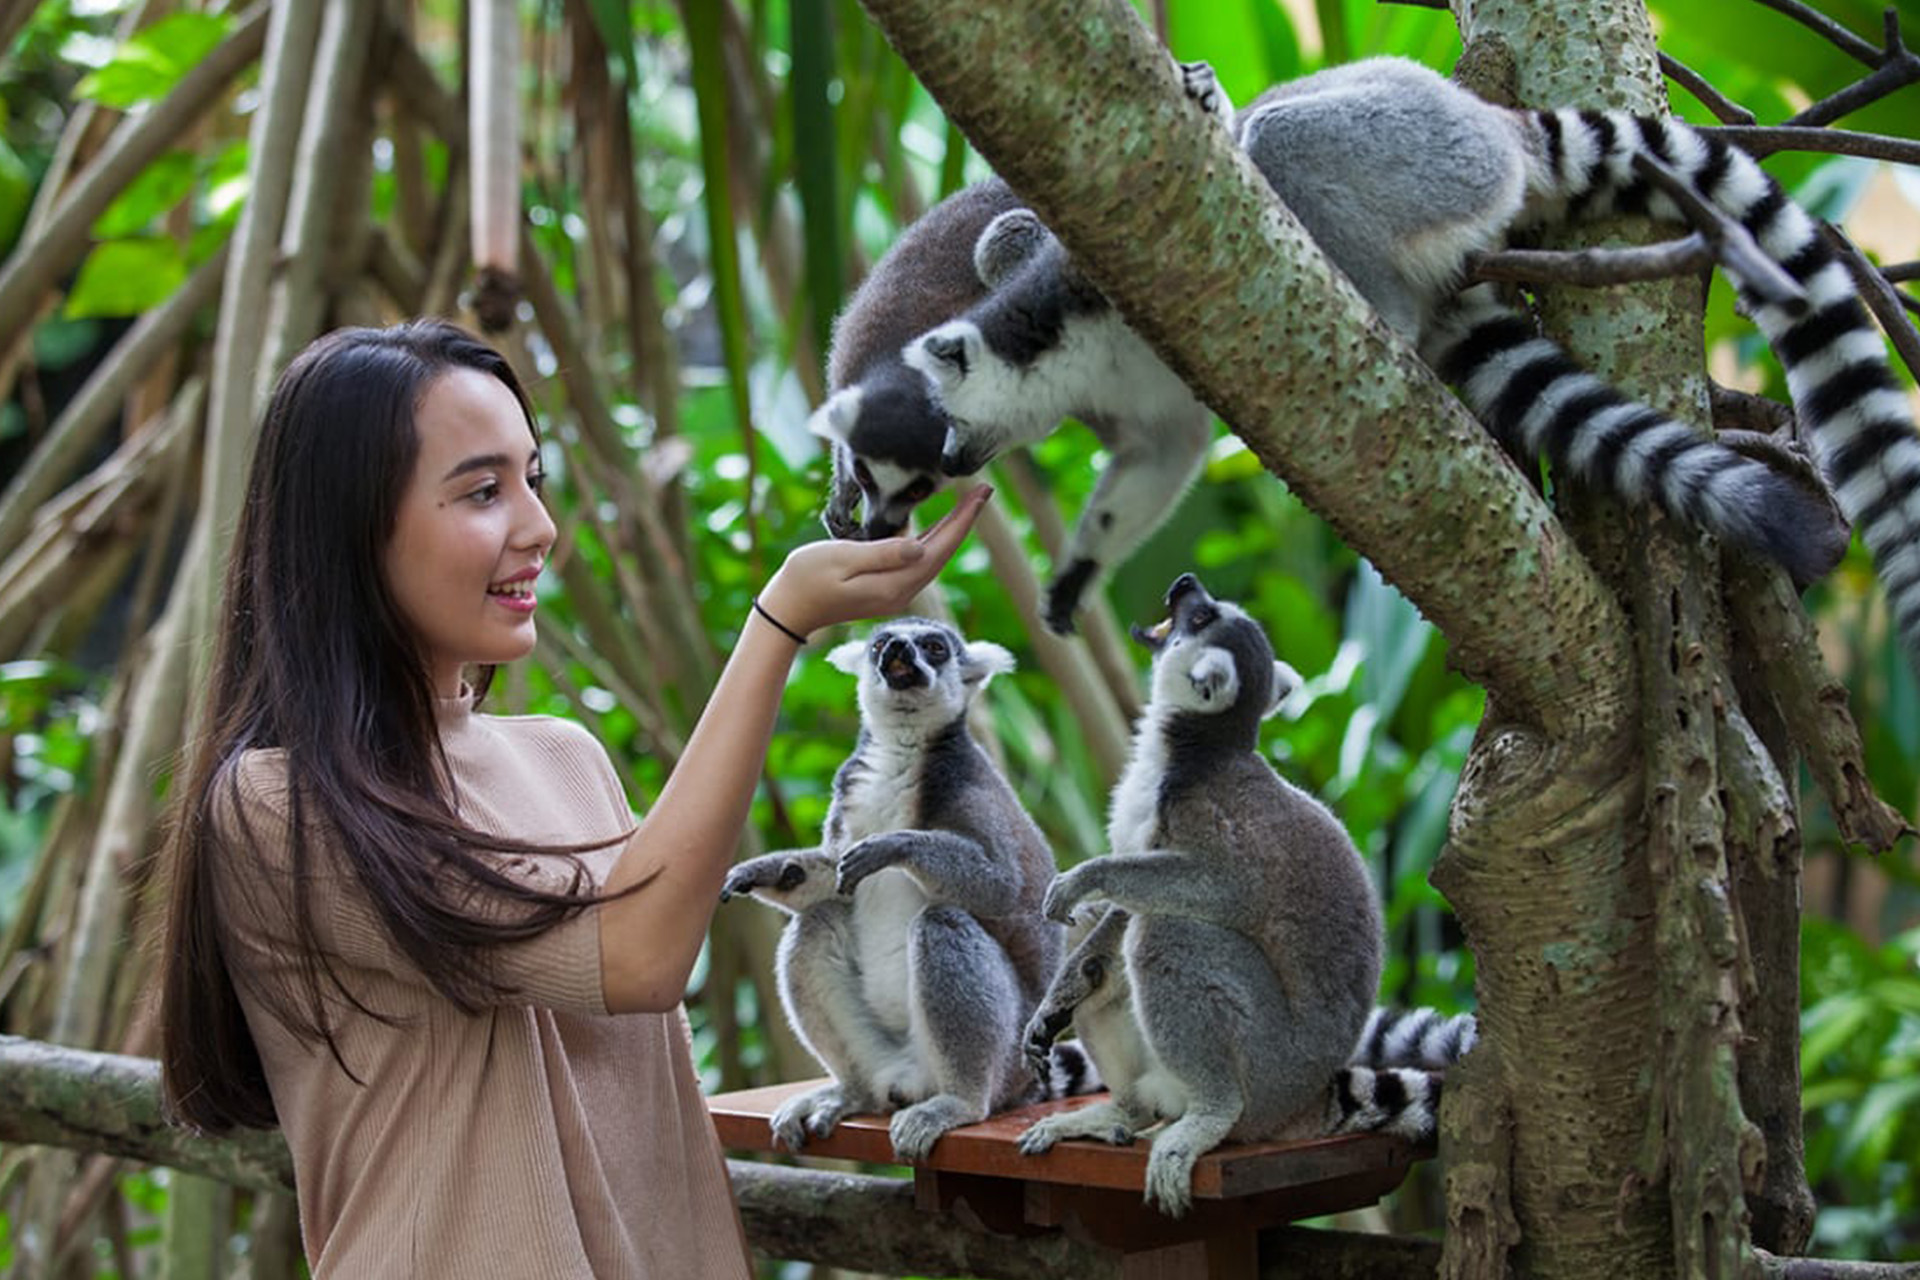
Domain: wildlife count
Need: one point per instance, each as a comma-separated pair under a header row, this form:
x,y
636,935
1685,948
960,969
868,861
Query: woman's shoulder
x,y
256,779
548,732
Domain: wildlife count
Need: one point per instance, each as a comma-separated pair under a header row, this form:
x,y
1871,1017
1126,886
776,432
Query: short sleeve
x,y
558,968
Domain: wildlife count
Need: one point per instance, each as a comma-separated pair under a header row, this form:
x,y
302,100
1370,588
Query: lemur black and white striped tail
x,y
1421,1037
1070,1072
1403,1101
1531,394
1392,1085
1843,388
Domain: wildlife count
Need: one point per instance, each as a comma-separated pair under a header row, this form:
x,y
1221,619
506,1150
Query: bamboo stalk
x,y
239,373
334,99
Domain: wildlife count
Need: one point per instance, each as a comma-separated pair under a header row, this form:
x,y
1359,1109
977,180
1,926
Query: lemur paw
x,y
1201,85
1068,890
875,853
776,872
1042,1030
1169,1182
1064,592
1039,1138
811,1115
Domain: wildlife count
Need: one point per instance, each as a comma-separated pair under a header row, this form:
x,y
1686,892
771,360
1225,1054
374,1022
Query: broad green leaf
x,y
126,277
152,61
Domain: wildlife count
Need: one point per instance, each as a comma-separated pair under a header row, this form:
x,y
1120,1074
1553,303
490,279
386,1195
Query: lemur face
x,y
917,673
886,435
1208,653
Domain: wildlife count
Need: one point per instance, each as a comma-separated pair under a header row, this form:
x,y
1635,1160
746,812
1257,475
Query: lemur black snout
x,y
900,664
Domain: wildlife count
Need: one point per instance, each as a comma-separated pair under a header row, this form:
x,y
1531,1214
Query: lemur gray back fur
x,y
1399,174
917,948
884,429
1238,944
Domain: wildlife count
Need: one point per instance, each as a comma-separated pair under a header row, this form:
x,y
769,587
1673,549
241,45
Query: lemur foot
x,y
1169,1182
1102,1122
812,1115
915,1130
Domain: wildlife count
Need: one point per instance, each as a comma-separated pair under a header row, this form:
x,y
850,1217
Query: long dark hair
x,y
314,658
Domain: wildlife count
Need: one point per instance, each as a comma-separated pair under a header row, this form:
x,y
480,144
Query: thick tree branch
x,y
110,1103
1178,229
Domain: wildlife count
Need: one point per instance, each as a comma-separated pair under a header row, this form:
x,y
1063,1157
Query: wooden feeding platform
x,y
1093,1191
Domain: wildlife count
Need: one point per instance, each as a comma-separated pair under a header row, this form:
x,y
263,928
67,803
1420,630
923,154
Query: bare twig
x,y
1881,298
1594,266
1764,140
1733,243
1901,271
1848,43
1745,414
1724,109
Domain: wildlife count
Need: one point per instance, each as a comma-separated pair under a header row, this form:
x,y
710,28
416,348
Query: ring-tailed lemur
x,y
1230,978
883,427
1399,174
917,948
1391,1082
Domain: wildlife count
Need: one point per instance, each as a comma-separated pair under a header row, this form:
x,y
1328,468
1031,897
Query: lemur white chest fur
x,y
1134,809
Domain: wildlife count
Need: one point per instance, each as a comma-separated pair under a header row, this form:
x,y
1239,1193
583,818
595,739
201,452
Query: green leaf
x,y
152,61
16,195
158,188
126,277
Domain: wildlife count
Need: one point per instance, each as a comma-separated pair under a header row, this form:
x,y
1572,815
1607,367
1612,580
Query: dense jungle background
x,y
675,199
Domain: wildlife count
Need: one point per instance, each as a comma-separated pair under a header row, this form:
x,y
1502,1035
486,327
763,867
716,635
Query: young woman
x,y
428,943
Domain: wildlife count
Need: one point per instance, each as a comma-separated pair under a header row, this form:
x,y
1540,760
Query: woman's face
x,y
471,532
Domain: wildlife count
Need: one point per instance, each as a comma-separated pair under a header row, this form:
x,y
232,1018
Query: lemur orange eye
x,y
918,490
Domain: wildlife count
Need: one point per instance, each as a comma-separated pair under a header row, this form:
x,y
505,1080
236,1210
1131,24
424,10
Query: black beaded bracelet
x,y
778,625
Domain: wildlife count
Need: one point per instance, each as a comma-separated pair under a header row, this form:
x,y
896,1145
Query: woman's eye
x,y
537,481
486,494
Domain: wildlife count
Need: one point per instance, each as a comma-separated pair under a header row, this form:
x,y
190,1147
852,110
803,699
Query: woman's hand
x,y
835,581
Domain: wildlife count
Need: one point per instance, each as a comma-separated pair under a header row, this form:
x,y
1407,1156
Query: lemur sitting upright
x,y
1229,979
917,948
1399,175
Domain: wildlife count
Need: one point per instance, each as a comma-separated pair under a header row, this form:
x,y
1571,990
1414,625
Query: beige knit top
x,y
541,1138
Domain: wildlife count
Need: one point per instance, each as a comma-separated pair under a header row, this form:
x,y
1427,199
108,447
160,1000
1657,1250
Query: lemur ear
x,y
848,656
834,419
1006,243
982,660
944,355
1285,681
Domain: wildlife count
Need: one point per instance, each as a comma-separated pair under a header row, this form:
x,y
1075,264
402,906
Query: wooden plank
x,y
991,1148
